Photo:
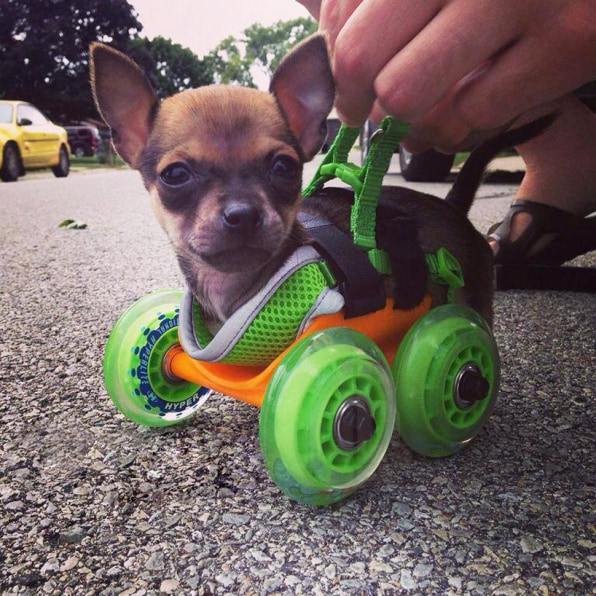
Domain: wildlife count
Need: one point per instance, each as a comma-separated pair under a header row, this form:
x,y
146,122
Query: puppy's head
x,y
222,163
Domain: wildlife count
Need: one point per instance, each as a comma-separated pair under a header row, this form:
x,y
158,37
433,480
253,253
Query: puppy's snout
x,y
242,219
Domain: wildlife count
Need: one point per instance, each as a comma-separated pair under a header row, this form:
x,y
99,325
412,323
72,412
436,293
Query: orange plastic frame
x,y
385,327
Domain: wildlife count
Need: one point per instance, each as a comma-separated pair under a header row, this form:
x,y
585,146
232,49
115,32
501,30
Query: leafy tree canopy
x,y
43,49
170,67
261,48
44,53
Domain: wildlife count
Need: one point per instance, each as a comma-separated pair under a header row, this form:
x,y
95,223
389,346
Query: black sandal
x,y
518,266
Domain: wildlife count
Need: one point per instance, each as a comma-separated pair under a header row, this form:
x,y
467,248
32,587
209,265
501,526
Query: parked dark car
x,y
428,166
84,141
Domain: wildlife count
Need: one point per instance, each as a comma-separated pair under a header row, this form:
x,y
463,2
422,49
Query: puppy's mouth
x,y
235,260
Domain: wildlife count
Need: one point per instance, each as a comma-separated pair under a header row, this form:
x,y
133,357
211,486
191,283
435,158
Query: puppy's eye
x,y
285,167
176,174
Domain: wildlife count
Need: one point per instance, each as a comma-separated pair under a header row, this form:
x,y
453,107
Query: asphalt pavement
x,y
91,503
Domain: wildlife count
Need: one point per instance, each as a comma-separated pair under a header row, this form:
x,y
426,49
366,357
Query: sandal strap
x,y
574,235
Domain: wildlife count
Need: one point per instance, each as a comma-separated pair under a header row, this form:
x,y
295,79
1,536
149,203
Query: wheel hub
x,y
166,366
353,423
470,386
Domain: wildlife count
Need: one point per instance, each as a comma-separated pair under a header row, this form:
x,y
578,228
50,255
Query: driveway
x,y
90,503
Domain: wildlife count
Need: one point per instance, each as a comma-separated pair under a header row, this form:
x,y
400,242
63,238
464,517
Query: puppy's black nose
x,y
241,219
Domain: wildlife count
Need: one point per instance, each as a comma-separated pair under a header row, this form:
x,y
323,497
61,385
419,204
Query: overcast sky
x,y
201,24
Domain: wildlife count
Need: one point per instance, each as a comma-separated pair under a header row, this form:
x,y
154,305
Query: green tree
x,y
261,48
266,46
44,50
230,64
171,67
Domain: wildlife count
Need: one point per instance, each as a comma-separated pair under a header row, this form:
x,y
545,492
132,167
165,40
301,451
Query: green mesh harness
x,y
304,287
258,331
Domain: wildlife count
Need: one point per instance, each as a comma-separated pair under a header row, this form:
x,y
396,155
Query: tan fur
x,y
217,121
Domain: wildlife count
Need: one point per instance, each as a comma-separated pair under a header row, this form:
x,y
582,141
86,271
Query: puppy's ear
x,y
304,89
124,98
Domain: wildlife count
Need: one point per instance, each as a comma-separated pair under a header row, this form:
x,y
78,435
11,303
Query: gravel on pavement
x,y
91,503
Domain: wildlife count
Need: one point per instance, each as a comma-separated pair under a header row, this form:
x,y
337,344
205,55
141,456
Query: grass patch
x,y
460,158
97,161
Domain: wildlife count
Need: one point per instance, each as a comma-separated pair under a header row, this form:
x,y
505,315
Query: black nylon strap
x,y
359,282
399,239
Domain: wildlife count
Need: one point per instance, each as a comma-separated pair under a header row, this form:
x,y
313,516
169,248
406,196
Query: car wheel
x,y
79,151
430,166
11,164
63,168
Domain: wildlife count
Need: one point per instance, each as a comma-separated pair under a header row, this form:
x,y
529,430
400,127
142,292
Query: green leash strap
x,y
378,158
336,159
366,181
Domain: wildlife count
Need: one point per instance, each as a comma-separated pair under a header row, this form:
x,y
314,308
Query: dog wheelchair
x,y
334,366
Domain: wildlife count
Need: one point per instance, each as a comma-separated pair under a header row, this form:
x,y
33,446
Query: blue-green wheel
x,y
327,416
446,373
133,365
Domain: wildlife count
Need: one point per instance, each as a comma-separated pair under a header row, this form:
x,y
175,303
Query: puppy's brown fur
x,y
223,165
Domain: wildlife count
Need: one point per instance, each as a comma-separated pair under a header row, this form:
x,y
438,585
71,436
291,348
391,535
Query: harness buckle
x,y
346,172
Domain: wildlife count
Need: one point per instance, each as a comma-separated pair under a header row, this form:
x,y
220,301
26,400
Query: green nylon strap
x,y
378,158
444,268
366,181
380,260
336,157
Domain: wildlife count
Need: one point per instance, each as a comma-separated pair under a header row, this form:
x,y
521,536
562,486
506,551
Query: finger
x,y
445,131
441,129
377,113
501,91
455,43
444,135
333,15
366,42
313,7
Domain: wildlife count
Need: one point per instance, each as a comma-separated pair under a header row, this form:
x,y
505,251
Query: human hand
x,y
456,70
313,6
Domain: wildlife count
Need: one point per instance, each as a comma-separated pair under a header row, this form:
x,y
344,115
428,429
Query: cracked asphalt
x,y
91,503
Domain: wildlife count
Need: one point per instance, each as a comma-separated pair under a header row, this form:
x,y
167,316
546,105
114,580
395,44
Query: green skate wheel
x,y
133,363
446,373
327,416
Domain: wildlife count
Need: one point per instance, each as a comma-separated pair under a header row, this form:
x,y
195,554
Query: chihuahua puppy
x,y
223,165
